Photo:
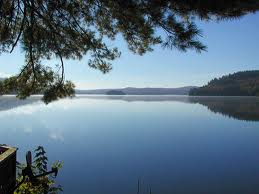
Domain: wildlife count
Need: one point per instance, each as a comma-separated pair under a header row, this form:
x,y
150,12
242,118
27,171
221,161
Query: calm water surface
x,y
171,144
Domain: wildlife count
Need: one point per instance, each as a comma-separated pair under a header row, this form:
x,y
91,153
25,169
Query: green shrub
x,y
46,184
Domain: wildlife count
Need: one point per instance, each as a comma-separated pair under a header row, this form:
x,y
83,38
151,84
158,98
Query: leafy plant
x,y
45,184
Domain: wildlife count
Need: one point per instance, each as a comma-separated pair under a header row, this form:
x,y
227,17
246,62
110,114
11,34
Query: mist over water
x,y
169,144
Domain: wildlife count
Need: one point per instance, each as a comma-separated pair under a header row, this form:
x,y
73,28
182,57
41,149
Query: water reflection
x,y
172,144
241,108
11,102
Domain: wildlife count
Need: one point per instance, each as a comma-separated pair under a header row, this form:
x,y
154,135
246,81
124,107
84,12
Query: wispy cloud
x,y
27,130
54,133
56,136
4,75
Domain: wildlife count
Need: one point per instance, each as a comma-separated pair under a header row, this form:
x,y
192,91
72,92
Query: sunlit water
x,y
169,144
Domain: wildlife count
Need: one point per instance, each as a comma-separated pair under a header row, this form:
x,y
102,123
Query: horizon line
x,y
148,87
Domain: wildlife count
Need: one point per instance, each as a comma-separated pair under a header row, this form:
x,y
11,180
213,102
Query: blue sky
x,y
232,46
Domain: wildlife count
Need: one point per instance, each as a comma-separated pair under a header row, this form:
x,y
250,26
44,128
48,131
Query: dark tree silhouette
x,y
65,29
244,83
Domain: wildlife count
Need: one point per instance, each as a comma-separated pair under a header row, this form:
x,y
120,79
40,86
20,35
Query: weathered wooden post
x,y
7,169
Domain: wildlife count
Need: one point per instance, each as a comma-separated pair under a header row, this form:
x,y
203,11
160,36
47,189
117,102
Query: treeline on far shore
x,y
245,83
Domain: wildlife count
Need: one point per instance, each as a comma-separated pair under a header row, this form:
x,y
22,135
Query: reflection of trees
x,y
138,98
241,108
11,102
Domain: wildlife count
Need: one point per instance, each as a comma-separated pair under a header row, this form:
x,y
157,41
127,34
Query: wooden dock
x,y
7,169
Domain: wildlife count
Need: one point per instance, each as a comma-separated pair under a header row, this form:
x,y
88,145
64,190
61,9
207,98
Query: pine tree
x,y
66,29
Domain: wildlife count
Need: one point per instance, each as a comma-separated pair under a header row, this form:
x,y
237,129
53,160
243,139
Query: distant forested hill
x,y
245,83
133,91
140,91
115,92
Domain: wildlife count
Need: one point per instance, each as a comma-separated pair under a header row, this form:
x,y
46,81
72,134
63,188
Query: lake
x,y
166,144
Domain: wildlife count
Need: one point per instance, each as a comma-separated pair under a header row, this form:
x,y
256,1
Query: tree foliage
x,y
244,83
66,29
46,184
